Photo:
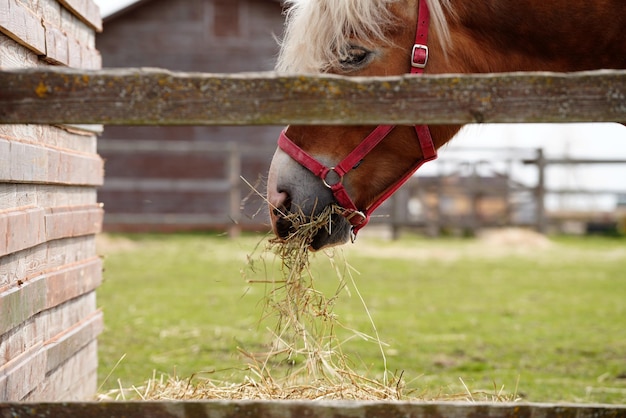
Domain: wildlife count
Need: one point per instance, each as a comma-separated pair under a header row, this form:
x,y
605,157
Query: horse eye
x,y
354,57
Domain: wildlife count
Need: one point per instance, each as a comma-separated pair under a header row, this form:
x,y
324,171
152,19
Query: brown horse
x,y
316,166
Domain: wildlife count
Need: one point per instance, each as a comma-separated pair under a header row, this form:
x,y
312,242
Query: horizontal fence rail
x,y
321,409
160,97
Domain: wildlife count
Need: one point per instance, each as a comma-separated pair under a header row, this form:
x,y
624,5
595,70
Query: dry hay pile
x,y
304,336
516,238
304,339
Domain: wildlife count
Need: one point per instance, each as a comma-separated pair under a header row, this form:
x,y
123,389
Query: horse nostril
x,y
277,199
281,205
284,227
287,202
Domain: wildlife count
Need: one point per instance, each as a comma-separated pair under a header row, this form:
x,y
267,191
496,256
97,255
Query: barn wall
x,y
49,215
157,177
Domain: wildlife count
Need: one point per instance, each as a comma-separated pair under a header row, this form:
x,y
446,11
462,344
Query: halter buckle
x,y
354,213
419,56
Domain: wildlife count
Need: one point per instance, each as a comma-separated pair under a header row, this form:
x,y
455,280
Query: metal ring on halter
x,y
339,180
352,235
355,213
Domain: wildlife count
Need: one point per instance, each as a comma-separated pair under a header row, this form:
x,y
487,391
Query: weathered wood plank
x,y
63,317
23,162
49,267
23,25
15,55
68,358
43,195
180,146
58,137
19,304
23,374
32,262
75,380
23,228
86,10
59,346
47,291
149,96
284,409
57,48
64,345
73,281
73,221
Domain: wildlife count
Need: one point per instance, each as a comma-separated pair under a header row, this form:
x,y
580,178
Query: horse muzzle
x,y
291,189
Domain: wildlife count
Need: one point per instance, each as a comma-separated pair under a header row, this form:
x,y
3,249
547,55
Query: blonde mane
x,y
318,31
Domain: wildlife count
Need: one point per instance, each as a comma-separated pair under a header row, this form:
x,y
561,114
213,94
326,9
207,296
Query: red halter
x,y
333,176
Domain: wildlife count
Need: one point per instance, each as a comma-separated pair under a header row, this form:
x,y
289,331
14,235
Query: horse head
x,y
318,166
354,38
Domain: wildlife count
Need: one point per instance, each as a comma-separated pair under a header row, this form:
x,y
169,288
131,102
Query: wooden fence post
x,y
234,179
540,192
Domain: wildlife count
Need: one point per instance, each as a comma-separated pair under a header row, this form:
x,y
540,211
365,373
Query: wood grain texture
x,y
75,380
321,409
24,162
23,25
61,345
14,55
149,96
47,291
28,227
48,369
69,138
42,31
14,195
86,10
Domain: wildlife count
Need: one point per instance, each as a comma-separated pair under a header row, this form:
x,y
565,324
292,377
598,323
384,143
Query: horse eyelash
x,y
348,64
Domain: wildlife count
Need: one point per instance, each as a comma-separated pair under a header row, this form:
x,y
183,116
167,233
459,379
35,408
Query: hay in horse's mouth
x,y
295,229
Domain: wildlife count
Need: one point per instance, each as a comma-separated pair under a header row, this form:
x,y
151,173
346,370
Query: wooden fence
x,y
47,183
159,97
542,163
473,194
225,213
313,409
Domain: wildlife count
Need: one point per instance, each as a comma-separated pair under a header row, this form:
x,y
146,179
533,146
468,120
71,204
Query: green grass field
x,y
544,320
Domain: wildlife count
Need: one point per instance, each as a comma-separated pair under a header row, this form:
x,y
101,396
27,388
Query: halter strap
x,y
351,161
429,153
333,176
419,59
419,53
